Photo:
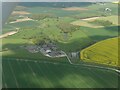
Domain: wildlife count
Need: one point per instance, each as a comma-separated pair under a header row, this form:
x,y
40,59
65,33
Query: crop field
x,y
107,55
63,25
8,28
86,24
54,75
113,19
58,12
25,24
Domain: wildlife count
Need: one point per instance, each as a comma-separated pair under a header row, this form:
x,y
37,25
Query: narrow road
x,y
91,18
58,63
100,67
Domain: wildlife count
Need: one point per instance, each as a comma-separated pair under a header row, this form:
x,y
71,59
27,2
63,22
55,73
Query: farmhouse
x,y
51,50
74,54
32,49
108,9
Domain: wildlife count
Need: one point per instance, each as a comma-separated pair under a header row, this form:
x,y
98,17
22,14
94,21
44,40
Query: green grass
x,y
100,8
47,75
99,22
113,19
86,24
8,28
93,10
24,24
82,38
86,37
104,52
54,11
15,51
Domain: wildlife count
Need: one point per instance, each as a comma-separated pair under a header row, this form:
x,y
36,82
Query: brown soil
x,y
75,9
20,13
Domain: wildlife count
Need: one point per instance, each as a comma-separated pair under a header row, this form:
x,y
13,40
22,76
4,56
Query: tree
x,y
41,16
102,22
67,28
41,39
38,41
11,19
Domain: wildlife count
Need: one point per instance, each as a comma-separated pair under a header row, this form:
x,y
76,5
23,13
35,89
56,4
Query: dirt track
x,y
20,13
75,9
8,34
92,18
22,20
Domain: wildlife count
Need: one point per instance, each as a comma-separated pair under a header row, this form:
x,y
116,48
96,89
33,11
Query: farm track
x,y
71,64
94,66
92,18
8,34
22,20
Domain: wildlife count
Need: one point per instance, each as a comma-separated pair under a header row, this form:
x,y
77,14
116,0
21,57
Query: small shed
x,y
74,54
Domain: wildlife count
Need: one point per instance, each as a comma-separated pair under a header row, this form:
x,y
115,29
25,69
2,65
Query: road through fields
x,y
94,66
74,65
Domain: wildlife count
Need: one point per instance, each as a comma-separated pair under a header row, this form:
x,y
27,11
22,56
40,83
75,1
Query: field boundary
x,y
58,63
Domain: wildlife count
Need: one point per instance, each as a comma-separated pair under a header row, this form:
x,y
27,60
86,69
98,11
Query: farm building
x,y
51,51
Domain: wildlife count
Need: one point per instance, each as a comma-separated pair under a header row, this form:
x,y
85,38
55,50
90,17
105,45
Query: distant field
x,y
8,28
113,19
81,12
20,13
25,74
85,23
103,52
100,8
74,9
54,11
24,24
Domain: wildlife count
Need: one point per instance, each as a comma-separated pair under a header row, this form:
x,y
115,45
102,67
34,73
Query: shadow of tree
x,y
113,28
81,43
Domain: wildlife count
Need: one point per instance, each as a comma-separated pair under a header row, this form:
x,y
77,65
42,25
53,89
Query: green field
x,y
49,75
25,24
8,28
82,38
113,19
86,24
104,52
71,34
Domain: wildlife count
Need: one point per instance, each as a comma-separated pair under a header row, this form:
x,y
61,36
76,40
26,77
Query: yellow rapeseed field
x,y
103,52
